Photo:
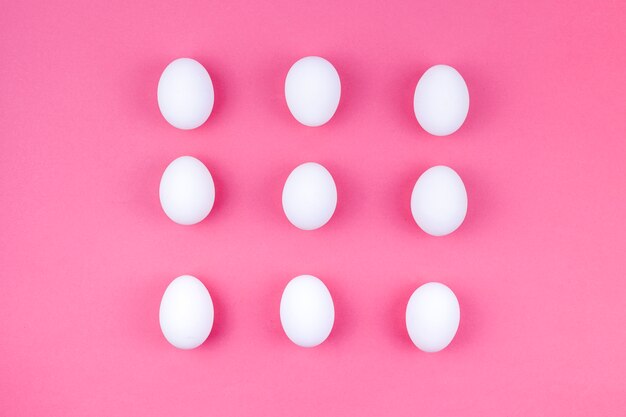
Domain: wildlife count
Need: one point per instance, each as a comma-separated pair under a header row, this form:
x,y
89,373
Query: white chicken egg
x,y
307,312
312,90
187,191
441,100
439,201
185,94
186,313
432,317
309,196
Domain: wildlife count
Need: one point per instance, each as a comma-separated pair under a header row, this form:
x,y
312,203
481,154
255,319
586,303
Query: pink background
x,y
86,252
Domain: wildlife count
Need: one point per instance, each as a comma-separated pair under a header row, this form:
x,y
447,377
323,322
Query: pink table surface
x,y
86,251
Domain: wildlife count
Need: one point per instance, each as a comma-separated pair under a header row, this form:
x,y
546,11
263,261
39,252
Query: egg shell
x,y
186,313
307,312
309,196
432,317
187,191
441,100
312,90
185,94
439,201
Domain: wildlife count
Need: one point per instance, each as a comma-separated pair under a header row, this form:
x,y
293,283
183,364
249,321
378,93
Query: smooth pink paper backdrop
x,y
86,252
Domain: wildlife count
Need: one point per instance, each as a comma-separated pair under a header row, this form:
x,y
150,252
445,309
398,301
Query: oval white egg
x,y
312,90
185,94
186,313
439,201
187,191
432,317
309,196
441,100
307,312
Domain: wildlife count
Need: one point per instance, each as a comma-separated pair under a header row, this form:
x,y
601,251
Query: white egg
x,y
309,196
441,100
307,312
186,313
312,90
432,317
187,191
185,94
439,201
